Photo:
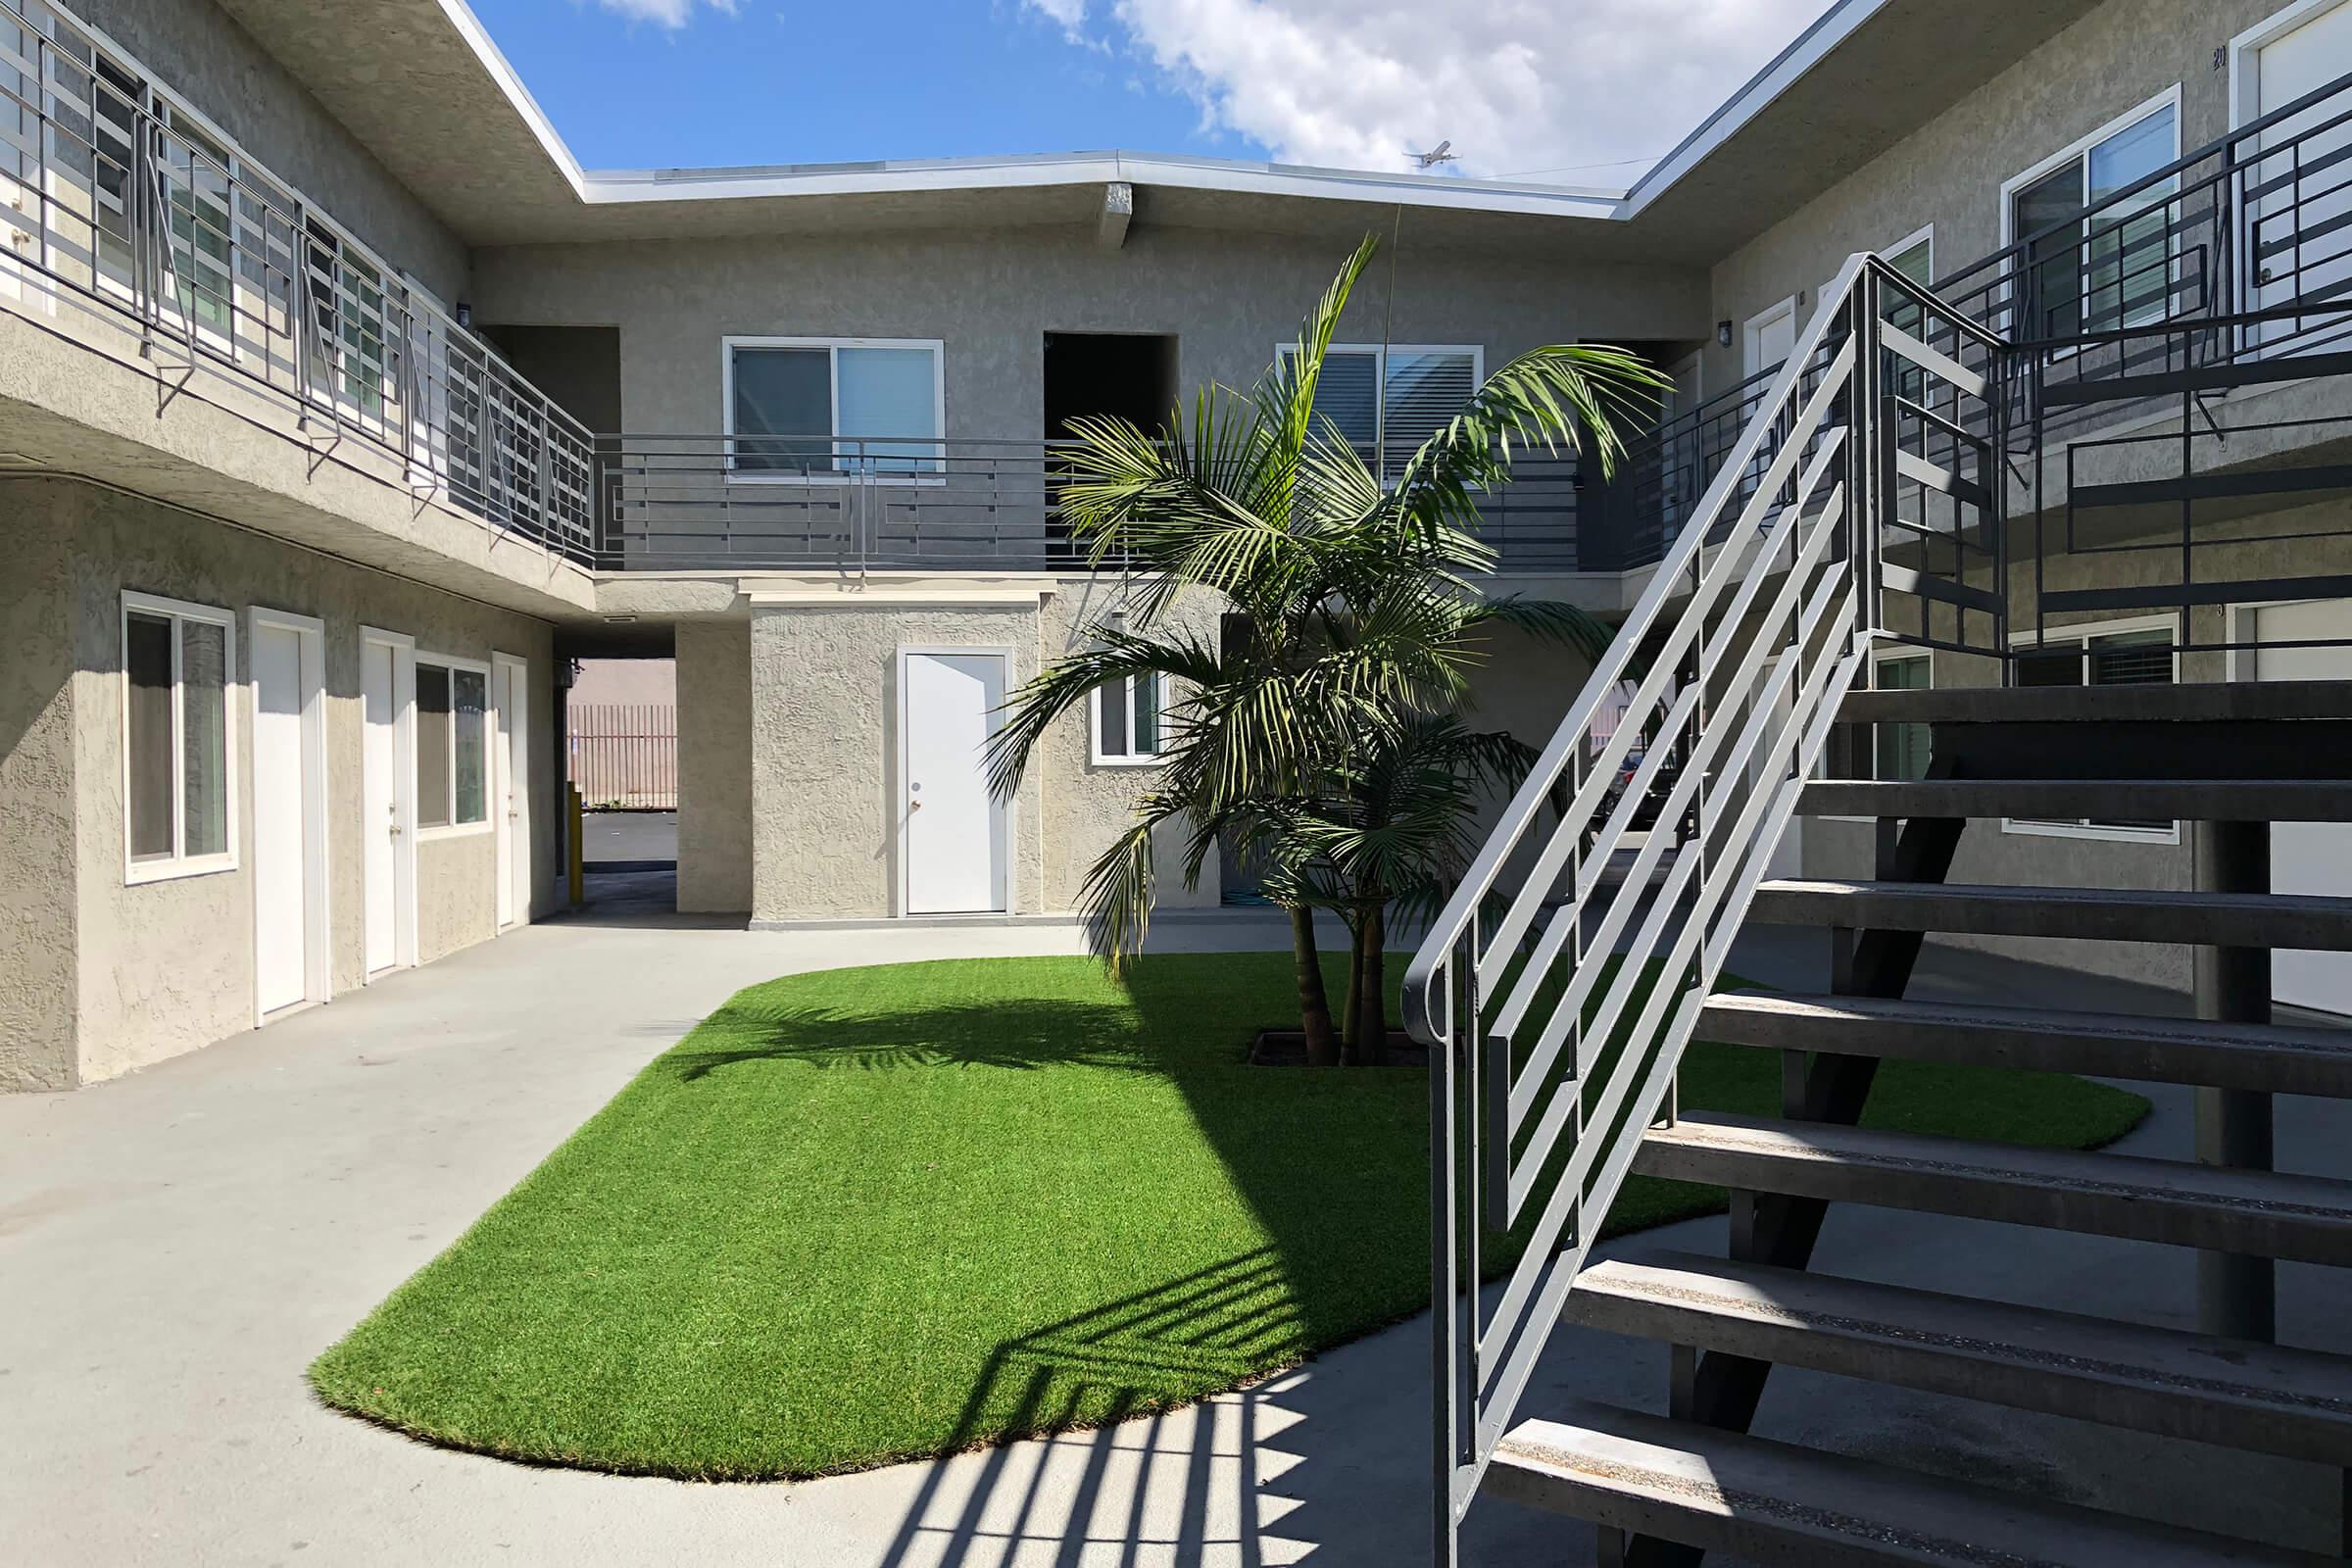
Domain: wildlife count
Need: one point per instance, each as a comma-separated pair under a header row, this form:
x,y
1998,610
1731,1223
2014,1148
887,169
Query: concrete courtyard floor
x,y
177,1246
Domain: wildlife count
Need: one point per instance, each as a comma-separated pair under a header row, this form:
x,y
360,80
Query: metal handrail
x,y
115,197
1555,1035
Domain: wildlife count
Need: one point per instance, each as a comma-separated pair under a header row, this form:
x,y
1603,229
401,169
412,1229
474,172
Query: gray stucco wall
x,y
714,766
38,826
1950,172
166,966
990,296
196,50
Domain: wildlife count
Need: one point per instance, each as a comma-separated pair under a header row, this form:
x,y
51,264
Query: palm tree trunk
x,y
1314,1004
1372,1004
1353,1013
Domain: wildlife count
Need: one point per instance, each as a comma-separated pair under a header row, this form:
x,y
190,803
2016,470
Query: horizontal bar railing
x,y
1559,985
113,197
719,503
2248,237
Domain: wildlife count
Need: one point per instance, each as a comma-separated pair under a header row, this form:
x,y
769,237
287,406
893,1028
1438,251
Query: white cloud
x,y
671,13
1517,85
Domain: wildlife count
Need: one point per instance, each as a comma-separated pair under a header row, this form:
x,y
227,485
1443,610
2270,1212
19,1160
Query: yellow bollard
x,y
575,845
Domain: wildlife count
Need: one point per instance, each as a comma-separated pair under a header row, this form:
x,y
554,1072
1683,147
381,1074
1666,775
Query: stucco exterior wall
x,y
195,49
991,297
714,766
823,707
166,966
1950,172
38,826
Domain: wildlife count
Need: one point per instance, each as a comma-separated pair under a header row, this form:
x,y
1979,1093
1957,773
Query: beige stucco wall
x,y
1950,172
195,49
166,966
714,766
822,702
990,296
38,826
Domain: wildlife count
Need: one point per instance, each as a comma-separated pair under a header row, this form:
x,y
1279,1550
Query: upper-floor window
x,y
177,757
2097,272
801,406
1385,400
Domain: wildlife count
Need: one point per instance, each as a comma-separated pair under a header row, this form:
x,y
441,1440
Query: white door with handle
x,y
288,664
511,690
389,766
2298,186
953,830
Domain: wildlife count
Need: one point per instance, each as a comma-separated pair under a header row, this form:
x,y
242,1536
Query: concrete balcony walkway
x,y
177,1246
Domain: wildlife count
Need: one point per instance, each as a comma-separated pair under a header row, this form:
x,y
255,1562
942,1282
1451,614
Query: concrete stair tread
x,y
2263,1214
2228,800
2291,1402
2275,1059
2208,703
2251,919
1788,1507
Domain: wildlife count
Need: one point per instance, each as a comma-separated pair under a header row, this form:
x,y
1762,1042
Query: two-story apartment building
x,y
339,408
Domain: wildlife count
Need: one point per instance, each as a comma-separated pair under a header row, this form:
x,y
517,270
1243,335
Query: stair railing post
x,y
2237,1293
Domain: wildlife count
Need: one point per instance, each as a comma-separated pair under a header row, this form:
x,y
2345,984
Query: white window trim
x,y
180,864
1103,758
1888,654
2169,98
2085,631
939,406
317,919
481,667
1380,353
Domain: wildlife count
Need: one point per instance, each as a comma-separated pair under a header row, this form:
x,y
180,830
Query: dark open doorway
x,y
1130,376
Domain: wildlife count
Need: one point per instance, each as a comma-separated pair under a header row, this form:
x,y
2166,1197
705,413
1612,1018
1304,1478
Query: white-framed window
x,y
1903,751
2115,653
1129,728
179,745
1387,399
452,745
812,409
2097,274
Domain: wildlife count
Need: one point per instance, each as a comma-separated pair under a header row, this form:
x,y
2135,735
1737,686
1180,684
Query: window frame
x,y
1154,758
1380,353
179,864
452,663
933,471
2082,635
1900,654
2078,152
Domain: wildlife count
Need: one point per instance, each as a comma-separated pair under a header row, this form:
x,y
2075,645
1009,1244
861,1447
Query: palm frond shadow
x,y
1042,1034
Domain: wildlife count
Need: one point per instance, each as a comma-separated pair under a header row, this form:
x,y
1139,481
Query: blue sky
x,y
817,83
1577,92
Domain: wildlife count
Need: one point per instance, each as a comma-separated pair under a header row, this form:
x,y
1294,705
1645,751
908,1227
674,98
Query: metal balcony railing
x,y
116,196
724,503
2242,249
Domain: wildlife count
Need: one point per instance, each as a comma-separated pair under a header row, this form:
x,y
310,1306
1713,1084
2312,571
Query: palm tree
x,y
1352,621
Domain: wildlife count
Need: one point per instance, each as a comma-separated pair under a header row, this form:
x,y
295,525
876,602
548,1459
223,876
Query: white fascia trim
x,y
477,37
1783,72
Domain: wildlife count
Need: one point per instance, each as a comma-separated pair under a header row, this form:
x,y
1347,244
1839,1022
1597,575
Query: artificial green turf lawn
x,y
868,1215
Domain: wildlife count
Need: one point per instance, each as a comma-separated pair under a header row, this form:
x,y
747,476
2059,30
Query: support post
x,y
575,845
2236,1295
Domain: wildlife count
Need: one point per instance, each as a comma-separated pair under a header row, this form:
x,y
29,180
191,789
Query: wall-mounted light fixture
x,y
464,315
1723,333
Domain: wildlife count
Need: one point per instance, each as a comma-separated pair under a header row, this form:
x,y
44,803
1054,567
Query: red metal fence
x,y
625,755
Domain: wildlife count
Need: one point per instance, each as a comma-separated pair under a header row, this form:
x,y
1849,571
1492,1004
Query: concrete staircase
x,y
1666,1490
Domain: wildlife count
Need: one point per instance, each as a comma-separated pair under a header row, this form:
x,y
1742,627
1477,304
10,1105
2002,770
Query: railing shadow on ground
x,y
1177,1486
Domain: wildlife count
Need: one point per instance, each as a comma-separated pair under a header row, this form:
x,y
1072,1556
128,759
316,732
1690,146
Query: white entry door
x,y
512,797
953,830
1771,336
2309,856
387,861
289,811
2302,189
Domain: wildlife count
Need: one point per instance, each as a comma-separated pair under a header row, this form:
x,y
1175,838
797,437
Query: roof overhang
x,y
422,83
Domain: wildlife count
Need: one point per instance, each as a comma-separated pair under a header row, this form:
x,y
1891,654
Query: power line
x,y
1569,168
